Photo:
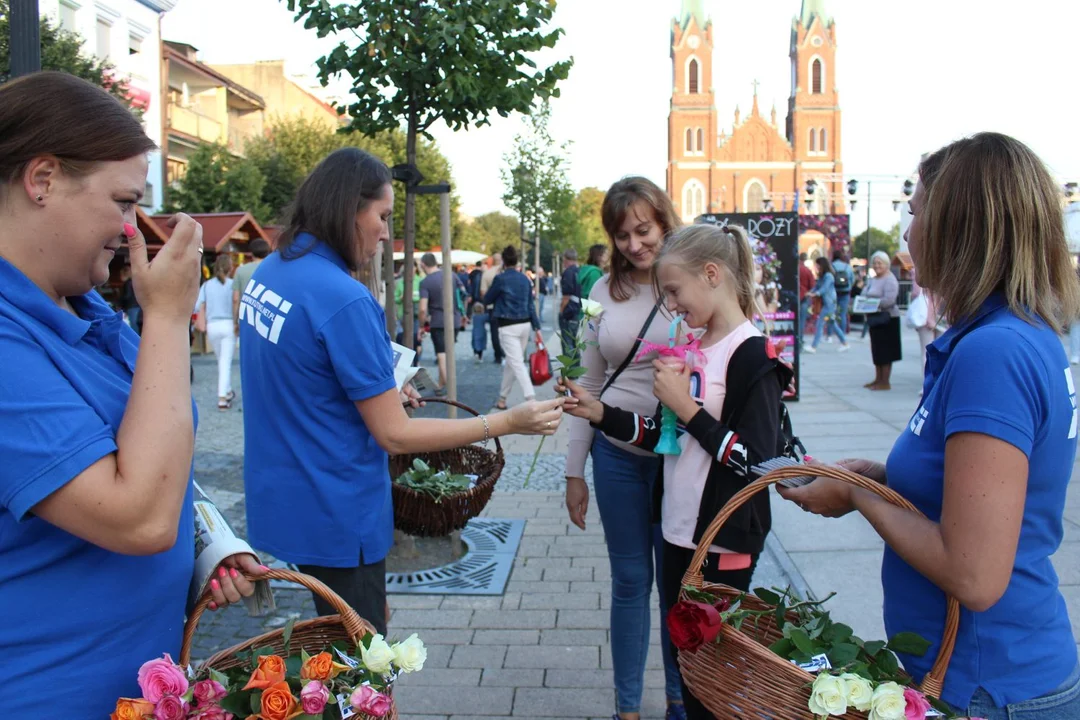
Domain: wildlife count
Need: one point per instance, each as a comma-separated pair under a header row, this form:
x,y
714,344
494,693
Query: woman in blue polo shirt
x,y
96,552
321,408
989,455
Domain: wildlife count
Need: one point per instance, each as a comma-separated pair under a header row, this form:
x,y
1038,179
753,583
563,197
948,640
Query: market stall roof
x,y
903,261
457,257
222,232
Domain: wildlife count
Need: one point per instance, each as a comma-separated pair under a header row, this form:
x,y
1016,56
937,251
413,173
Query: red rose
x,y
692,624
723,604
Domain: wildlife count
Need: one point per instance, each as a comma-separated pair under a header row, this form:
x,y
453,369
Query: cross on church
x,y
755,84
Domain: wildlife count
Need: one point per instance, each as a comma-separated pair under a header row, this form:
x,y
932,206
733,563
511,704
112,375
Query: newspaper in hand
x,y
403,364
215,541
865,305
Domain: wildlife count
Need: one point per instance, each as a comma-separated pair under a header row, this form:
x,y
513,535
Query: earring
x,y
39,198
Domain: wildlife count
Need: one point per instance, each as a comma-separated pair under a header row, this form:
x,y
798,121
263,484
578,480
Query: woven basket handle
x,y
455,403
356,626
934,681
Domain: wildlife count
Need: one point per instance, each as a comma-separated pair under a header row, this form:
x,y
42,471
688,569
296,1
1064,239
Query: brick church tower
x,y
756,166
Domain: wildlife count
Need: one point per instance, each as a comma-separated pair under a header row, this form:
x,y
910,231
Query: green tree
x,y
420,62
879,240
218,181
62,50
588,230
503,230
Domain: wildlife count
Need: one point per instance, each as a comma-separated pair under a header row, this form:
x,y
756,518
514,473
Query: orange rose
x,y
131,709
271,670
319,667
278,703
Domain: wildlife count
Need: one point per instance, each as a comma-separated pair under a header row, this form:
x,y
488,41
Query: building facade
x,y
757,164
127,33
283,96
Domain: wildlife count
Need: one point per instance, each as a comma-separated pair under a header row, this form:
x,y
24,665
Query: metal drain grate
x,y
484,570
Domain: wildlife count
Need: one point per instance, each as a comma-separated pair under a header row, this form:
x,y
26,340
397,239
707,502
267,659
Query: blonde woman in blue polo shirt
x,y
321,408
96,551
989,454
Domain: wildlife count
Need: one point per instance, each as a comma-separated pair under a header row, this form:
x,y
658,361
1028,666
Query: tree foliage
x,y
489,233
292,147
218,181
62,50
879,240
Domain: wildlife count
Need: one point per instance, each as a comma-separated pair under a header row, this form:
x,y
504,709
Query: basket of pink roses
x,y
770,654
327,667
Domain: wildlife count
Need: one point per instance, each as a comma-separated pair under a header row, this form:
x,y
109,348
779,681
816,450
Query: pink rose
x,y
170,707
208,692
158,678
313,697
916,707
213,713
370,701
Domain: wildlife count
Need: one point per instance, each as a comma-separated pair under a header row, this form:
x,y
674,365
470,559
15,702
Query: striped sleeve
x,y
641,431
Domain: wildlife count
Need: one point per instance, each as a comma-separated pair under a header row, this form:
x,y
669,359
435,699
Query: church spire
x,y
810,8
692,9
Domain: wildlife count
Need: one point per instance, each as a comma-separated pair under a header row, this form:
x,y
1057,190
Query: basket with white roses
x,y
771,654
329,667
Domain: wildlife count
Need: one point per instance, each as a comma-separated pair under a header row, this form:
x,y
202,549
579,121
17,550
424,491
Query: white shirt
x,y
218,297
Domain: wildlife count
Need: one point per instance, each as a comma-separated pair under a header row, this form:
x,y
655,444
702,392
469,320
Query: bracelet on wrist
x,y
487,430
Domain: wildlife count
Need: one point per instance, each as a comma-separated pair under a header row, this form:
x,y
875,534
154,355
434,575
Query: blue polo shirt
x,y
69,606
1000,376
317,484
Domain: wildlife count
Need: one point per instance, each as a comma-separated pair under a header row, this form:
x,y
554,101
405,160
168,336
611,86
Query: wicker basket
x,y
418,514
738,677
313,635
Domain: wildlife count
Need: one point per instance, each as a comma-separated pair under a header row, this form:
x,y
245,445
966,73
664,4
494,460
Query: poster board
x,y
776,244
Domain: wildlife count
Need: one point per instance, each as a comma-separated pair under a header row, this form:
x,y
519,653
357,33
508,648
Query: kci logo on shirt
x,y
264,310
918,420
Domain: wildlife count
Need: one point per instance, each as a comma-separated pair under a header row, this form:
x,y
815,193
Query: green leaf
x,y
219,677
305,716
887,663
873,647
781,613
293,665
782,647
256,701
262,652
286,634
238,703
842,654
802,641
767,596
837,633
575,372
909,644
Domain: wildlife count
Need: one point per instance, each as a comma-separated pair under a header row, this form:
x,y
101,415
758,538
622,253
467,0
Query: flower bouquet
x,y
339,682
570,360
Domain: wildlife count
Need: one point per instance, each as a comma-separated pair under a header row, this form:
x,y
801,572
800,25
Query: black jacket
x,y
747,433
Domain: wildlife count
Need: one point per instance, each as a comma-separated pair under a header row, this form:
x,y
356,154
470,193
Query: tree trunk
x,y
410,236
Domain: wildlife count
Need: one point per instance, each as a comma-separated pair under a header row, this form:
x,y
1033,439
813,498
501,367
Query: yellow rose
x,y
888,702
378,656
828,696
859,691
410,654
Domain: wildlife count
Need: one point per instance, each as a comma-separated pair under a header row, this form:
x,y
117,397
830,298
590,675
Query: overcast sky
x,y
912,75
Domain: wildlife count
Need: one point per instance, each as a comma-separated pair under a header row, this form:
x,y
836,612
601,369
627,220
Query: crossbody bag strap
x,y
633,351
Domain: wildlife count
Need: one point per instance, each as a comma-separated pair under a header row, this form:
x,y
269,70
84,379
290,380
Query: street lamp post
x,y
25,37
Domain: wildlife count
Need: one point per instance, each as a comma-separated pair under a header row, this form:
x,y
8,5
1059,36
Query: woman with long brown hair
x,y
988,457
637,216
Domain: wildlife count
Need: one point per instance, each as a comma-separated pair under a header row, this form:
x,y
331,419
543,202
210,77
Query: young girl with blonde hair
x,y
727,402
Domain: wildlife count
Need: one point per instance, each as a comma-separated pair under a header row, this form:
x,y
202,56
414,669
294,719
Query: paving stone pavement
x,y
541,650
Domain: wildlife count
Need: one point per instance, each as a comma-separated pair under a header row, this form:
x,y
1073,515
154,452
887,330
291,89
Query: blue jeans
x,y
828,311
624,488
542,298
842,303
1060,704
479,333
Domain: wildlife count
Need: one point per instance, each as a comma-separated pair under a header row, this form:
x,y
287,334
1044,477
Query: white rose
x,y
377,656
410,654
859,691
591,309
828,695
888,702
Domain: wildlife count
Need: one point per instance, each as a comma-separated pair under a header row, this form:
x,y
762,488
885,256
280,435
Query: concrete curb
x,y
796,581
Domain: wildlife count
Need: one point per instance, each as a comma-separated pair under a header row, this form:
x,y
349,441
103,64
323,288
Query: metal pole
x,y
869,199
409,270
390,283
25,37
536,272
448,303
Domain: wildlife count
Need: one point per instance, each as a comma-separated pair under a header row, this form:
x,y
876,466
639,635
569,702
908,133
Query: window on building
x,y
700,140
104,39
692,78
67,17
817,76
689,140
822,146
175,170
755,196
134,44
813,140
693,200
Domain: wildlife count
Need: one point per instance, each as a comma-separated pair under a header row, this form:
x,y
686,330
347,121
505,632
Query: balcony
x,y
190,122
